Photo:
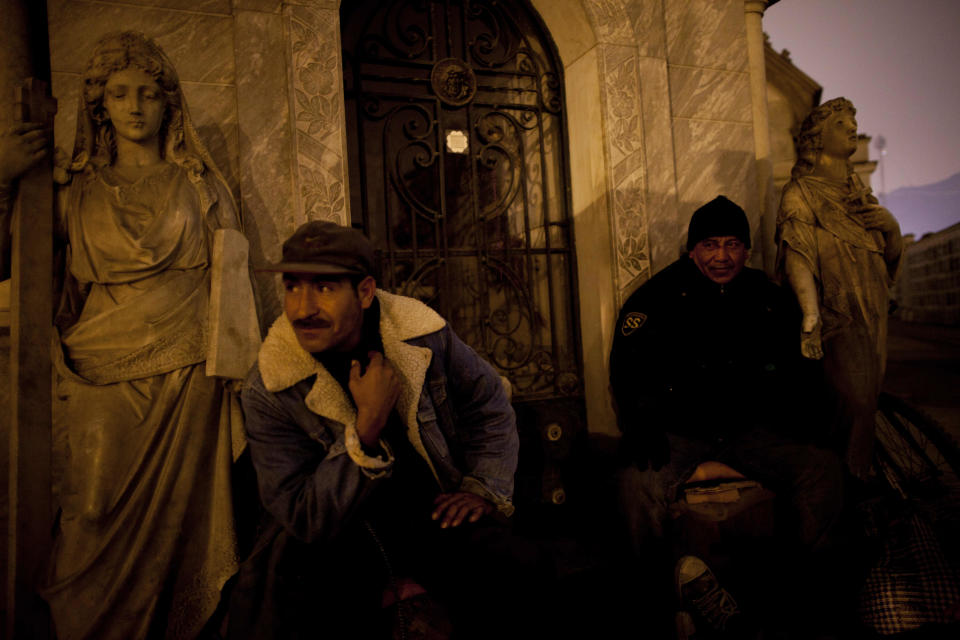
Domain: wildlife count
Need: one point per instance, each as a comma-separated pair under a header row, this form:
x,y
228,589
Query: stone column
x,y
761,129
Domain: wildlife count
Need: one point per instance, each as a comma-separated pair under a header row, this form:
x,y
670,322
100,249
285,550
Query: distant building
x,y
928,289
791,95
862,164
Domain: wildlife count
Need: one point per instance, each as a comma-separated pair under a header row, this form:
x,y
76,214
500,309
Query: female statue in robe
x,y
146,533
840,251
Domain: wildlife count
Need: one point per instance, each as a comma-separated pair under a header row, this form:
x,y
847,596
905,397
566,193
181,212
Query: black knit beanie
x,y
719,217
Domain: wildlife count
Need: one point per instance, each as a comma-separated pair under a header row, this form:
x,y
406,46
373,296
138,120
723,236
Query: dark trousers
x,y
808,478
491,582
808,482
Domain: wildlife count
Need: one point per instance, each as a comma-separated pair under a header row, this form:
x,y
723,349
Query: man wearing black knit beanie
x,y
703,368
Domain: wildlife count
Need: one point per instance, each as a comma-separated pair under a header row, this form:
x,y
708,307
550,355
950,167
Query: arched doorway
x,y
459,175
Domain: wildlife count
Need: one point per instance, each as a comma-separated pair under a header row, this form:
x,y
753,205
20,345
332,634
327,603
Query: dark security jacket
x,y
704,360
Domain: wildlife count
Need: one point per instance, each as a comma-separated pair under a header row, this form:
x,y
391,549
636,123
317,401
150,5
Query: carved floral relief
x,y
623,99
617,33
322,197
624,125
611,20
317,105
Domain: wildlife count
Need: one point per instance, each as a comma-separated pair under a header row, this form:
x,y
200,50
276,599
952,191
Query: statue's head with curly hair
x,y
117,52
809,141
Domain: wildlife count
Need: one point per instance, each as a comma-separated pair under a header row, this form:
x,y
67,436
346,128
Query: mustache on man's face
x,y
314,322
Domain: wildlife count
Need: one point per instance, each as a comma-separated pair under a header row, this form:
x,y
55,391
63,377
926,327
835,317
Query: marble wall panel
x,y
221,7
612,21
266,145
661,193
715,158
267,157
213,109
316,102
710,94
706,33
200,45
266,6
638,23
649,28
568,25
317,4
782,120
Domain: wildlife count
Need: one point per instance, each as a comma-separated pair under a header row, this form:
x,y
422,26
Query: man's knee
x,y
643,487
644,502
823,472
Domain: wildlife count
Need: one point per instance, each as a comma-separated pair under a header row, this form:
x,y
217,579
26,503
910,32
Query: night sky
x,y
899,62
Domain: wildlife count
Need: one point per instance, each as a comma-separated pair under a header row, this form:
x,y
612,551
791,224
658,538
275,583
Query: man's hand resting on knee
x,y
453,508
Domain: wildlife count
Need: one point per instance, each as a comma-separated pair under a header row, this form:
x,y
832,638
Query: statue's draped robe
x,y
853,282
146,535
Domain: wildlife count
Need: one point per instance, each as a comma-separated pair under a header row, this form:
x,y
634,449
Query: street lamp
x,y
881,144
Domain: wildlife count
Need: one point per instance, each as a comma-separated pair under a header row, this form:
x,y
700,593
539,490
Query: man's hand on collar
x,y
375,393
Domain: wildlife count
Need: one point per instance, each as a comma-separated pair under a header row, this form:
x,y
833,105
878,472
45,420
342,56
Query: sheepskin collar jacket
x,y
301,424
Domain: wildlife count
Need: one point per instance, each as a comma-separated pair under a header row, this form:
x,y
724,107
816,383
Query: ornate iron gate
x,y
459,175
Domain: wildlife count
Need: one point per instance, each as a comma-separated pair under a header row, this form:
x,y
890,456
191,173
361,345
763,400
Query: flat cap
x,y
322,247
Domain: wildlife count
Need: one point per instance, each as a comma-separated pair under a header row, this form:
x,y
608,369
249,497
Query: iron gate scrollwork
x,y
459,176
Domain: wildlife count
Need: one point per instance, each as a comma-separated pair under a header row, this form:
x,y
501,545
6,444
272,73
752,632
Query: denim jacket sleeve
x,y
485,423
310,485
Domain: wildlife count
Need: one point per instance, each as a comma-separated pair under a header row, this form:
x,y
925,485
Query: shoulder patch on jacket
x,y
633,321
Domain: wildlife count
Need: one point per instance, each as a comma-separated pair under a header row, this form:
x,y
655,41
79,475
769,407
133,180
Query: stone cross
x,y
31,321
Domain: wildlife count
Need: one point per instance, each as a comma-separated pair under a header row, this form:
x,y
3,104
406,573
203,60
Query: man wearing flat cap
x,y
703,369
385,450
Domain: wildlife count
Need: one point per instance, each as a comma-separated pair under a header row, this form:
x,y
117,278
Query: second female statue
x,y
840,252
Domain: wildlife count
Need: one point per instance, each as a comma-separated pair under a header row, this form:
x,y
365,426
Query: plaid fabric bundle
x,y
912,584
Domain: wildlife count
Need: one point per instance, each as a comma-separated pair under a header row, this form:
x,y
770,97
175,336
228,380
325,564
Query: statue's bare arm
x,y
805,288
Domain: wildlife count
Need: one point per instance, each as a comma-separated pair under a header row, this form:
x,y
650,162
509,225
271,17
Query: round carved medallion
x,y
453,82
